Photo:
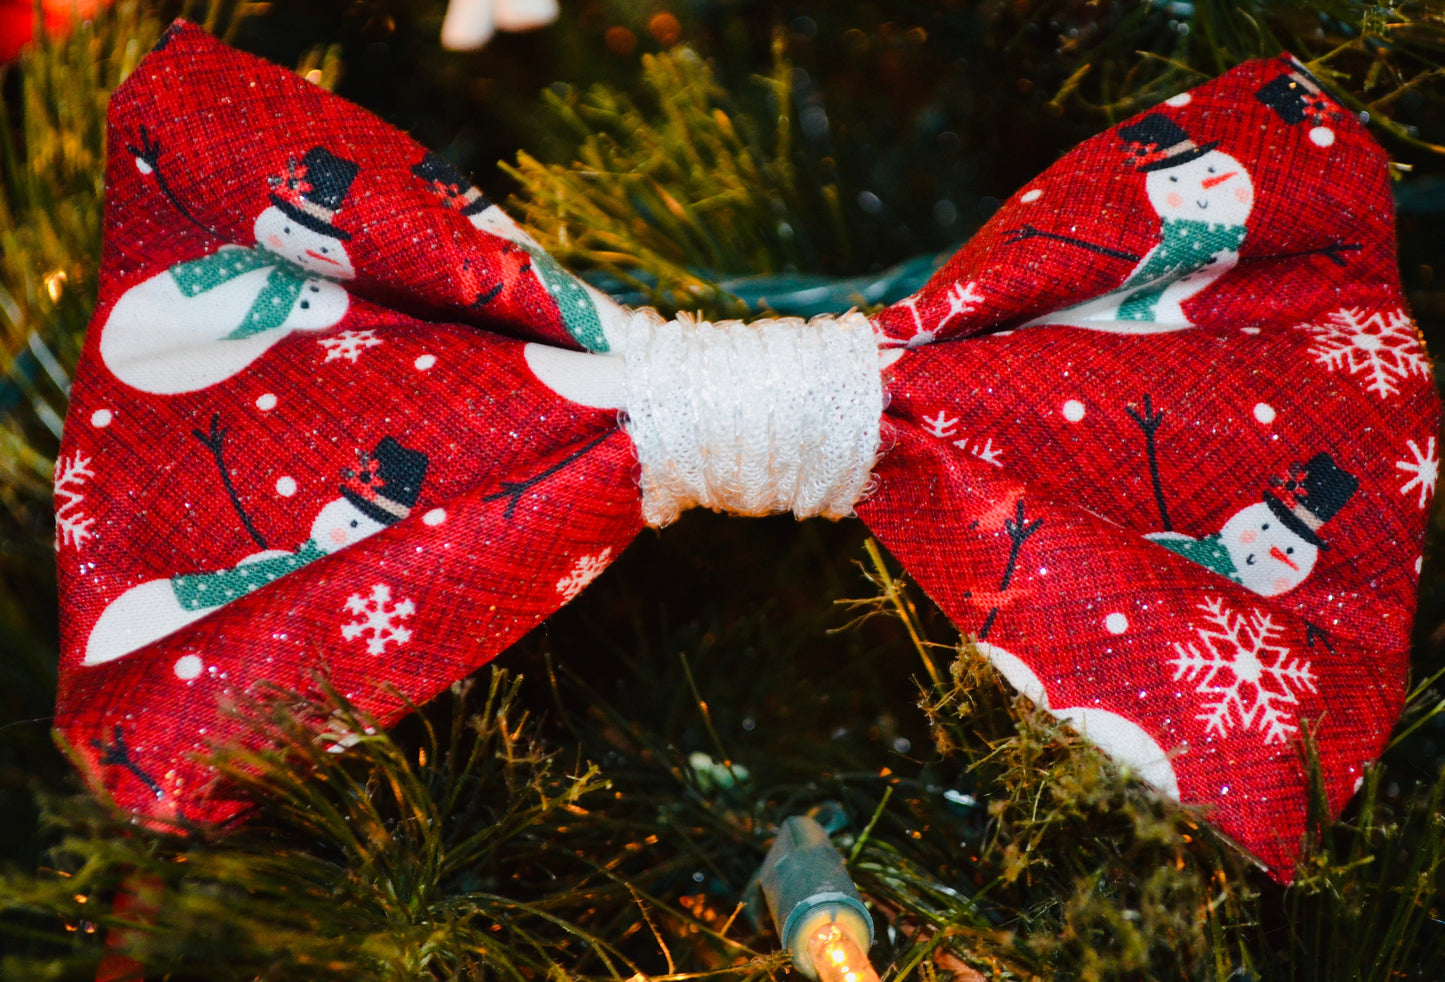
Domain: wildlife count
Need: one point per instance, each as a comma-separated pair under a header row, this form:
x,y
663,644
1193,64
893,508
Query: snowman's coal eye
x,y
1264,527
1289,551
315,288
355,523
306,305
325,250
1172,180
287,230
1211,170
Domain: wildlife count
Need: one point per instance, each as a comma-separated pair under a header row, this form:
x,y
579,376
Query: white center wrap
x,y
773,416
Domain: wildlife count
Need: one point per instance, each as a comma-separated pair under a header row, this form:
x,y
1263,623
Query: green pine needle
x,y
693,183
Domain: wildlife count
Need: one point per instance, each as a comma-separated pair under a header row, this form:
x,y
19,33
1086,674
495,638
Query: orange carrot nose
x,y
1278,553
1209,182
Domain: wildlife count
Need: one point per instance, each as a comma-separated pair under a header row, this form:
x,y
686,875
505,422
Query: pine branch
x,y
654,196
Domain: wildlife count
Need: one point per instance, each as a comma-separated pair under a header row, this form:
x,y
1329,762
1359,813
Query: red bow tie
x,y
1161,436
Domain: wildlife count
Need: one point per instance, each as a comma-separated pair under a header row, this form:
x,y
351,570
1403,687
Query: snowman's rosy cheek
x,y
275,240
1242,195
1248,536
1173,200
1281,585
338,536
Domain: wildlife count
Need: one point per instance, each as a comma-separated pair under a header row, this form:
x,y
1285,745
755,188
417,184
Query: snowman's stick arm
x,y
147,159
514,490
987,624
1149,422
215,442
116,752
1312,632
1330,252
1029,232
1018,530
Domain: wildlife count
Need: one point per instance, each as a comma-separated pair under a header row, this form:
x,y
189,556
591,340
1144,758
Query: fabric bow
x,y
1161,437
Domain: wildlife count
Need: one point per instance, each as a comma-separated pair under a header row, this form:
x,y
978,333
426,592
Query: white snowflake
x,y
1247,677
378,620
349,344
962,299
587,569
1424,470
940,425
72,526
1382,346
987,453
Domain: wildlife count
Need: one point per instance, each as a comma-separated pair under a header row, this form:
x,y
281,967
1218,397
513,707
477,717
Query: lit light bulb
x,y
55,284
820,917
837,957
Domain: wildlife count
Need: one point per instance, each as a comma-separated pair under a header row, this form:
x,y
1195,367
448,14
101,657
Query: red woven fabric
x,y
1185,515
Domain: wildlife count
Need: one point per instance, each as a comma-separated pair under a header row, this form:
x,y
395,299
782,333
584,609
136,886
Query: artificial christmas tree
x,y
1010,848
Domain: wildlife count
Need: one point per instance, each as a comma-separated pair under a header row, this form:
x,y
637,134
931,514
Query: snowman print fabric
x,y
1161,438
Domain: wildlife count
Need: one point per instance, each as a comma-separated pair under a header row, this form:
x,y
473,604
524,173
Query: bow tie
x,y
1160,437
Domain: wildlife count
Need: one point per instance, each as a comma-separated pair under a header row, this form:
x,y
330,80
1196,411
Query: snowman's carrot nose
x,y
328,259
1209,182
1278,553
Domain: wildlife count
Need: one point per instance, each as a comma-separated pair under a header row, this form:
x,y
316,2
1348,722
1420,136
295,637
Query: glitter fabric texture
x,y
1161,436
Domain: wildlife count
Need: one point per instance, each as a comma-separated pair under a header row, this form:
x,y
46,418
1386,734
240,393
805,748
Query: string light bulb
x,y
836,956
817,910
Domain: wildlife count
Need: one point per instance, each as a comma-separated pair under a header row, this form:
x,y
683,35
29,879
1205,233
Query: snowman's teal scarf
x,y
202,591
1208,552
270,308
1184,246
579,313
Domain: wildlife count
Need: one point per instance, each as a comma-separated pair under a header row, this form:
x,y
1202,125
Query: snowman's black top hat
x,y
1157,142
313,191
1319,490
388,481
1295,96
455,191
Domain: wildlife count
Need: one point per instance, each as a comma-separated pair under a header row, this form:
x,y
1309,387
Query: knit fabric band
x,y
778,415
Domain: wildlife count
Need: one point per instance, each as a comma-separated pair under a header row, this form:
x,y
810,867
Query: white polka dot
x,y
1073,410
1418,561
425,362
286,486
1322,136
1264,412
1033,195
1116,623
1182,99
101,417
1250,330
435,517
188,667
266,402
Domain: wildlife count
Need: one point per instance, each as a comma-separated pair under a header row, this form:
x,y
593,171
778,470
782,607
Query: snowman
x,y
581,306
382,491
201,322
1203,198
1271,546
